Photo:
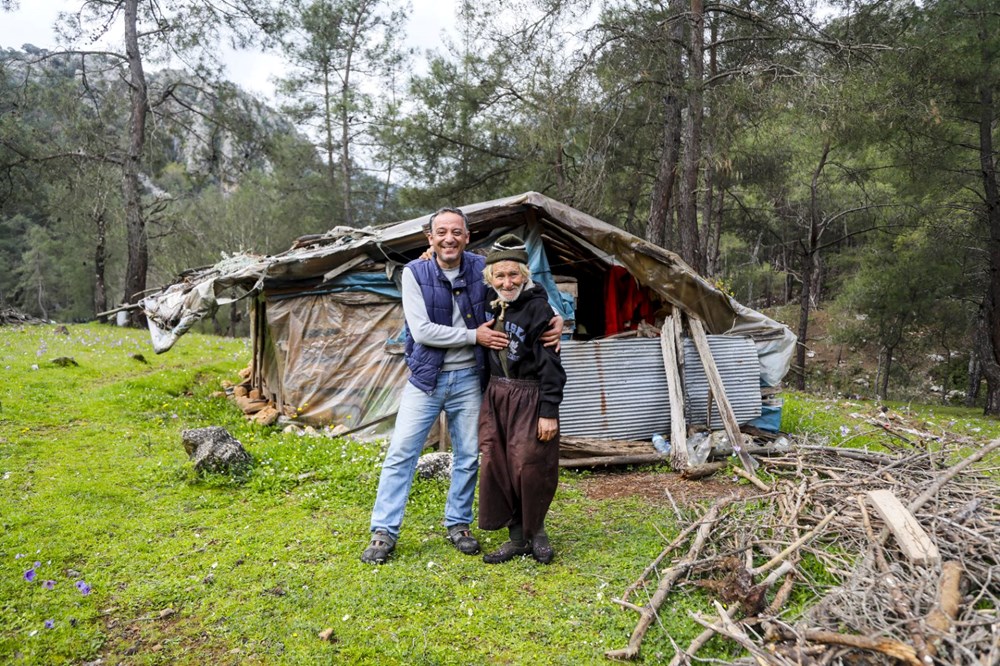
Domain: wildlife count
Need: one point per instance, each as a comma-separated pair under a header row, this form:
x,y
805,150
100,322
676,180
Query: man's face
x,y
448,239
508,281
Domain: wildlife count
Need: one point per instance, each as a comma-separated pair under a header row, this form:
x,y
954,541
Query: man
x,y
444,302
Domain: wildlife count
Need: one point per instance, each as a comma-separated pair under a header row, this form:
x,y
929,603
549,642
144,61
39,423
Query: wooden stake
x,y
719,391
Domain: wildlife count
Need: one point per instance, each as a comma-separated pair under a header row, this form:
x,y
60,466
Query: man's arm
x,y
430,334
423,330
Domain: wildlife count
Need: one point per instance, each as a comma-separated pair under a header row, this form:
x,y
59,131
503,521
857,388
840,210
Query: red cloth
x,y
625,302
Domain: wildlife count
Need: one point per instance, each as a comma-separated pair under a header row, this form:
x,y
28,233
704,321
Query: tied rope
x,y
498,326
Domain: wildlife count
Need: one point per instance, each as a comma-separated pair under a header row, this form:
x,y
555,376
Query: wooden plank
x,y
678,426
913,540
721,399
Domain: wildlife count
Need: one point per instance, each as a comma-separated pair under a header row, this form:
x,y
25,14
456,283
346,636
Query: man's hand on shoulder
x,y
553,334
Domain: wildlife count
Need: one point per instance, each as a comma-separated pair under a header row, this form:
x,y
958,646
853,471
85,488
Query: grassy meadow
x,y
113,549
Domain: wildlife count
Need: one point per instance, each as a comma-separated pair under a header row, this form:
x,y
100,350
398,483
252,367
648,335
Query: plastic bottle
x,y
661,444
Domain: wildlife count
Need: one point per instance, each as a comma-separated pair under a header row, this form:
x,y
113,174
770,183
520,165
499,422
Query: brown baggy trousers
x,y
518,474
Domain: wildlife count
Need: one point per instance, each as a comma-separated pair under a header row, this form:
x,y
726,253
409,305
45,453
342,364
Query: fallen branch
x,y
711,514
798,543
648,612
887,646
752,479
915,505
942,616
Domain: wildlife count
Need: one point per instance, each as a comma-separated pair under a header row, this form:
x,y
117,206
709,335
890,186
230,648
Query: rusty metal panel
x,y
617,389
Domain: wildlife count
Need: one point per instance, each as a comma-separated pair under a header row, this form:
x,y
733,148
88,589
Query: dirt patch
x,y
653,487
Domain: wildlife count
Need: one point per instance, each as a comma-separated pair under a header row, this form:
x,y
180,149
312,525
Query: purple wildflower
x,y
18,556
83,587
29,575
49,584
49,624
36,565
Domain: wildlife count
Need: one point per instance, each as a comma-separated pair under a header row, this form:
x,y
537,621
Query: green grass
x,y
193,569
96,487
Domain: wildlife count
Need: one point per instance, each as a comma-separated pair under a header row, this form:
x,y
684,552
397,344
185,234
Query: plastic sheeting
x,y
325,357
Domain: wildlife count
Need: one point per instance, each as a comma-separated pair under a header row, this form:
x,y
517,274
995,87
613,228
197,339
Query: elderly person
x,y
519,419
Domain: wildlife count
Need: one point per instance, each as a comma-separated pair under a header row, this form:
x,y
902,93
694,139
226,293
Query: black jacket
x,y
524,322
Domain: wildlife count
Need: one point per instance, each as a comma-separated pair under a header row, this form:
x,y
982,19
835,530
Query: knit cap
x,y
508,248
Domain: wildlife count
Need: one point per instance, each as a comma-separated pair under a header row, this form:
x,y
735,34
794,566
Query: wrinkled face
x,y
448,239
508,281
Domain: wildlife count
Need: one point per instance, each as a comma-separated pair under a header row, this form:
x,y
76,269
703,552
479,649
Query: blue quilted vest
x,y
469,291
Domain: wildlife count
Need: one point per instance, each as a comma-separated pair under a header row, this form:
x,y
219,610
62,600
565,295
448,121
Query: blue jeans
x,y
458,394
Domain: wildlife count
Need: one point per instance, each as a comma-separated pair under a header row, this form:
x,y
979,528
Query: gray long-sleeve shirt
x,y
458,340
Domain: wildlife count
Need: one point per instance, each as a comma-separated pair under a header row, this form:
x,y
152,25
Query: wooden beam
x,y
721,399
678,425
913,540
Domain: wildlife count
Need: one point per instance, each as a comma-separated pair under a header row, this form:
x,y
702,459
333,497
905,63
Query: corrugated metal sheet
x,y
736,358
617,389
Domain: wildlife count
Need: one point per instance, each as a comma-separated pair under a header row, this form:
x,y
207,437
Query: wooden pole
x,y
678,426
719,391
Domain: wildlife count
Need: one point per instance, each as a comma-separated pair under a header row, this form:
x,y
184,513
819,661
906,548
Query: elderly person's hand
x,y
547,428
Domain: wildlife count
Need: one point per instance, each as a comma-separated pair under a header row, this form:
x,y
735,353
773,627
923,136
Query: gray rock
x,y
213,449
435,465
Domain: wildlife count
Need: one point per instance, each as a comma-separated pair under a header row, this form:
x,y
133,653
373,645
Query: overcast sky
x,y
32,24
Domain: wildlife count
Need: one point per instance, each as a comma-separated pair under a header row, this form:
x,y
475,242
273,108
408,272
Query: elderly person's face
x,y
448,239
508,280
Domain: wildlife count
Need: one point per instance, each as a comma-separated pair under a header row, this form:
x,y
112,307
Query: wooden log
x,y
719,391
701,471
887,646
915,543
603,461
675,389
941,618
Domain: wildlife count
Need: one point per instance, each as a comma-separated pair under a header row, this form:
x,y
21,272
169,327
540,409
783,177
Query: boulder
x,y
435,465
213,449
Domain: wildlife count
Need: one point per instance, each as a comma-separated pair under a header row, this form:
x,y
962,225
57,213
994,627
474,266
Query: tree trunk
x,y
975,377
882,380
666,175
690,248
803,332
988,335
100,262
809,261
709,220
135,225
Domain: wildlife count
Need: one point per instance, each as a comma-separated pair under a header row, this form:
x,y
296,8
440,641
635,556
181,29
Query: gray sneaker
x,y
379,548
461,536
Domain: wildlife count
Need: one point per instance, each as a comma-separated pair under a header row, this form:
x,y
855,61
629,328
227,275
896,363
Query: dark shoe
x,y
541,550
379,549
508,550
461,536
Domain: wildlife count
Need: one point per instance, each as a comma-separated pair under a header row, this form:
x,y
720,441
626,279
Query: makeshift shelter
x,y
327,323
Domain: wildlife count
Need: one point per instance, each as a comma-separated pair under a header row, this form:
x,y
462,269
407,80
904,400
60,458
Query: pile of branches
x,y
12,317
887,606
